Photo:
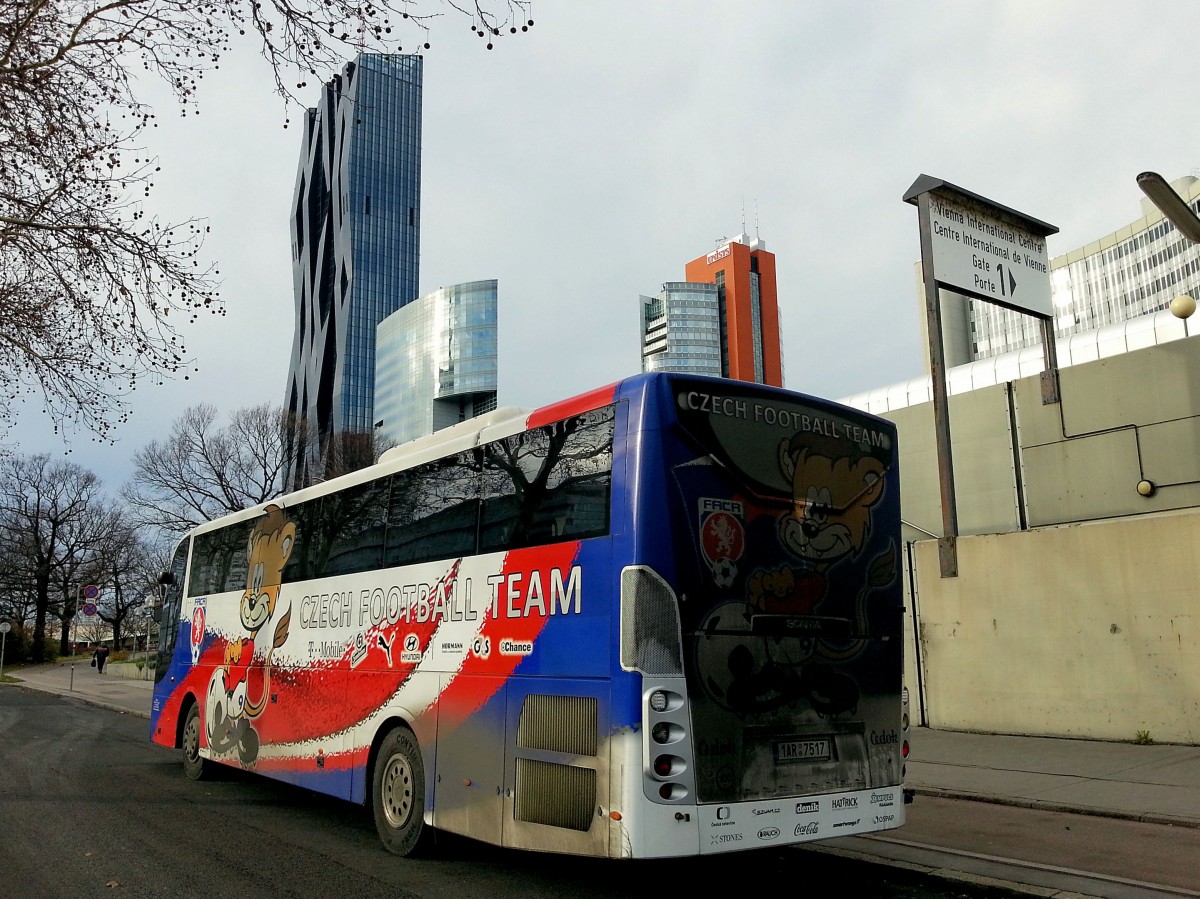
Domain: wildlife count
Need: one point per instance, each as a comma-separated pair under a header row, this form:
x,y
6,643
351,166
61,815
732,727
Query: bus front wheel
x,y
194,765
398,794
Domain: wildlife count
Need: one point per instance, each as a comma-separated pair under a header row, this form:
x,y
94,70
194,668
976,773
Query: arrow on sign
x,y
1012,282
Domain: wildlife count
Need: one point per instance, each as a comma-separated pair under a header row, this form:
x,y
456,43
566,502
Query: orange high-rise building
x,y
748,308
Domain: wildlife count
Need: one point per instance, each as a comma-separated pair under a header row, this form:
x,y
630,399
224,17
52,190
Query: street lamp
x,y
1181,215
1170,204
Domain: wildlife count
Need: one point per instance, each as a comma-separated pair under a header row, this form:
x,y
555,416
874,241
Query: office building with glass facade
x,y
1132,272
436,362
681,329
722,321
356,227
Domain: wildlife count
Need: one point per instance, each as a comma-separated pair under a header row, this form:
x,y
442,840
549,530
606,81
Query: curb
x,y
1047,806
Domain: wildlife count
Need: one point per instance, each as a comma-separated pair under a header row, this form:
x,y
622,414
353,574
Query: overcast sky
x,y
582,164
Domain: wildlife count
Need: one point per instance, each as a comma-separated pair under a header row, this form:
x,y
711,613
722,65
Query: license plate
x,y
802,751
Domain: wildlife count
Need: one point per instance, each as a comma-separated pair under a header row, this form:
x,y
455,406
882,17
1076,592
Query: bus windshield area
x,y
790,575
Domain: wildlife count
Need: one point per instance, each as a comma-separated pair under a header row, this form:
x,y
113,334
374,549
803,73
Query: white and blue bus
x,y
662,618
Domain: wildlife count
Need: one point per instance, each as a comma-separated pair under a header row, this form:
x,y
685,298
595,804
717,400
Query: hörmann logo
x,y
845,802
768,833
807,808
807,830
884,800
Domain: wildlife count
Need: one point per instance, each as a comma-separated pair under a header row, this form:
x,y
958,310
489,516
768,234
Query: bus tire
x,y
194,765
398,794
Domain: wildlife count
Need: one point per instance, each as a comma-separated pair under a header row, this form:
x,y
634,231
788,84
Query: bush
x,y
120,655
18,647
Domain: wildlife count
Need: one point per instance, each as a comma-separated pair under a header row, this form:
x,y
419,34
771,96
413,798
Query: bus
x,y
663,618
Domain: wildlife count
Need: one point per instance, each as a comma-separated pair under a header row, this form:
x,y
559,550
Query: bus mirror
x,y
166,579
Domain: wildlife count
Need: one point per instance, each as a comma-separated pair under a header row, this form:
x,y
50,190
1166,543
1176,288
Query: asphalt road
x,y
89,807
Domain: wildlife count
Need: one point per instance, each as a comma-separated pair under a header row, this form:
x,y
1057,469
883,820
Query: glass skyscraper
x,y
356,228
436,362
681,329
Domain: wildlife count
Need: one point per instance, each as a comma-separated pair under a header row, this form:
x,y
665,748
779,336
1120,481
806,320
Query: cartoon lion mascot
x,y
834,485
229,709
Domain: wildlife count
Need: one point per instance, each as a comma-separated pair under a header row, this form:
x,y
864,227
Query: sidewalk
x,y
81,681
1155,784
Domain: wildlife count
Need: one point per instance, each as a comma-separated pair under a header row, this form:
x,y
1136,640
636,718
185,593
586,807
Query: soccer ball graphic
x,y
724,571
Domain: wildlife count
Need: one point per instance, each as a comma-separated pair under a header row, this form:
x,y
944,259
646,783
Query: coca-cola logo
x,y
807,830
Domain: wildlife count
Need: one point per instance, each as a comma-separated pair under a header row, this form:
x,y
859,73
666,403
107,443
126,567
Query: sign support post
x,y
975,247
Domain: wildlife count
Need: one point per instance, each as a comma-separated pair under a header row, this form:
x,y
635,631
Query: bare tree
x,y
45,508
92,290
127,568
204,469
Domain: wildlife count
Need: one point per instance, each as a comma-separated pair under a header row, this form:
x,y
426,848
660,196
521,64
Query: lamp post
x,y
1183,217
1170,204
5,627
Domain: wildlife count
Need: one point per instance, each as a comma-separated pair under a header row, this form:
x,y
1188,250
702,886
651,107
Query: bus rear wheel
x,y
194,765
398,794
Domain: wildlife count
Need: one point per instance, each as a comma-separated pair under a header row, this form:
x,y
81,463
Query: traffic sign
x,y
89,609
91,591
983,255
985,250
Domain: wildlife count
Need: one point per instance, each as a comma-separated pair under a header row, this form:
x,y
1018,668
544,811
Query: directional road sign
x,y
986,250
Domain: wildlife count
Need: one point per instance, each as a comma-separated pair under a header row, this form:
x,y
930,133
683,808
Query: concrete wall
x,y
1076,611
1086,630
1020,464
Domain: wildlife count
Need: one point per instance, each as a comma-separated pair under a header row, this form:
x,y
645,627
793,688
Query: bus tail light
x,y
665,732
673,792
668,765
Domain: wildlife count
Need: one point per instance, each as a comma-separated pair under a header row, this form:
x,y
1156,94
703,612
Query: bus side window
x,y
433,511
304,561
554,484
219,560
352,529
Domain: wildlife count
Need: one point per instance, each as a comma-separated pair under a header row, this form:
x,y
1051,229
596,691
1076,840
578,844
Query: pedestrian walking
x,y
101,657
